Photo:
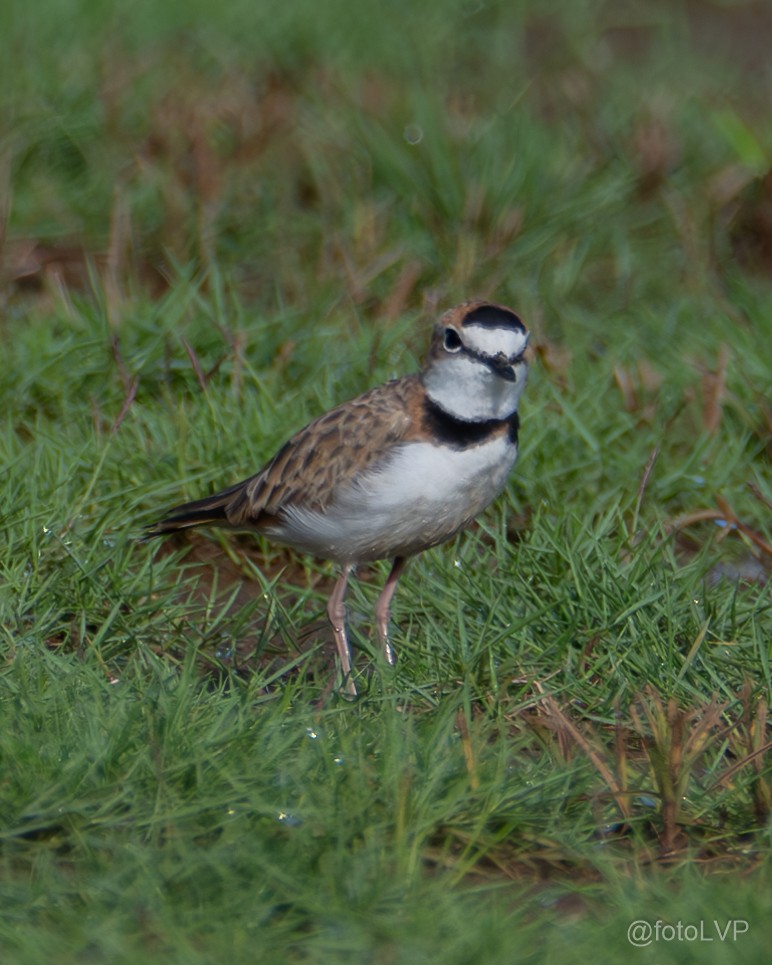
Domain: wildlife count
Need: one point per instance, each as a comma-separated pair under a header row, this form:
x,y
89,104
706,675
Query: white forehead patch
x,y
488,340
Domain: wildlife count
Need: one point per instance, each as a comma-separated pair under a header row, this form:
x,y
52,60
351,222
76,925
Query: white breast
x,y
421,496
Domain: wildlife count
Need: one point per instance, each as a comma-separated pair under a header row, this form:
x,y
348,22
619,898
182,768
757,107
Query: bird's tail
x,y
211,510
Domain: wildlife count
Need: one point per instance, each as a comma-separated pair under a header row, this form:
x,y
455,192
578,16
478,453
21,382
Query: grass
x,y
220,222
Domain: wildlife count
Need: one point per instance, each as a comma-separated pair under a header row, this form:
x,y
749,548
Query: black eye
x,y
452,341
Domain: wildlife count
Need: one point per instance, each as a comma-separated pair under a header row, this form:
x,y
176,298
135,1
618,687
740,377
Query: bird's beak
x,y
503,367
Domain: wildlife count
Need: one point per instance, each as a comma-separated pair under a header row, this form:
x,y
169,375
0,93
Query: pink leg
x,y
336,611
383,607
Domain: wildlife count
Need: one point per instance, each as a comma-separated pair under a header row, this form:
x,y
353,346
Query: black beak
x,y
502,366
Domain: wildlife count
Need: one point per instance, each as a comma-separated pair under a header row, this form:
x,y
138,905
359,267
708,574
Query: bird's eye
x,y
452,341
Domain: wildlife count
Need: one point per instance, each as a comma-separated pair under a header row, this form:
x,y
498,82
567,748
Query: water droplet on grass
x,y
289,819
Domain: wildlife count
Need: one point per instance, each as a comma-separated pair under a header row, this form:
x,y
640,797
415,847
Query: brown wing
x,y
310,467
332,449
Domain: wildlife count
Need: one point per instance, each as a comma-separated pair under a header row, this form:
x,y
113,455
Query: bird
x,y
393,472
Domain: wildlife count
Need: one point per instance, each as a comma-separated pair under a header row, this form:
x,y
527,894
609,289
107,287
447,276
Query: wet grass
x,y
220,223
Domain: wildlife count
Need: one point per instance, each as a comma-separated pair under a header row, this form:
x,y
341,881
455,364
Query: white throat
x,y
470,390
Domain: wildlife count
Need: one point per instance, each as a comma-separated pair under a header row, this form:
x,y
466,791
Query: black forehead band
x,y
494,317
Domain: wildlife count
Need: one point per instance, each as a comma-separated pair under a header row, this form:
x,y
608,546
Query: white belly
x,y
420,497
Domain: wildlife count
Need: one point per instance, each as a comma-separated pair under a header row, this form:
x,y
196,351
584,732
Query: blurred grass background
x,y
216,223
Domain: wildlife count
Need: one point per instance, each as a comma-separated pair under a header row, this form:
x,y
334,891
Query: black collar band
x,y
451,431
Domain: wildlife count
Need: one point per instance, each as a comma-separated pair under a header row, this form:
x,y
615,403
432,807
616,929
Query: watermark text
x,y
642,933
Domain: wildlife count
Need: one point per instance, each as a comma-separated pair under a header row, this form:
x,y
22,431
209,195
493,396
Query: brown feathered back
x,y
334,441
